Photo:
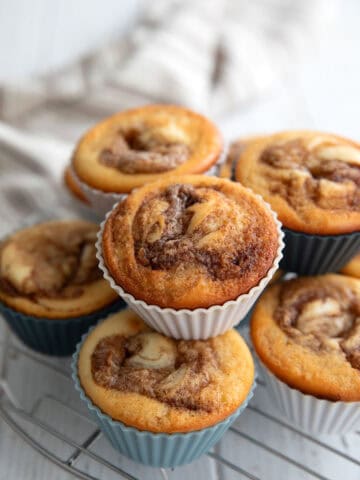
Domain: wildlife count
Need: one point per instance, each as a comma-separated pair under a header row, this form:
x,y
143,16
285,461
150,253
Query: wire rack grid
x,y
38,401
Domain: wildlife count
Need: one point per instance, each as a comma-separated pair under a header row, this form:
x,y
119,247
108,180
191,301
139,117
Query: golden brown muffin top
x,y
311,179
315,323
50,261
189,242
155,383
353,267
137,146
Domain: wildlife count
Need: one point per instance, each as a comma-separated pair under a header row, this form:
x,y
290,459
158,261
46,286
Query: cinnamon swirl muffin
x,y
190,242
51,289
141,381
138,146
312,181
306,333
353,267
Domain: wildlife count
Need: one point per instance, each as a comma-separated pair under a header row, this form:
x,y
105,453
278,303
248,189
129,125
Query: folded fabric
x,y
211,55
30,180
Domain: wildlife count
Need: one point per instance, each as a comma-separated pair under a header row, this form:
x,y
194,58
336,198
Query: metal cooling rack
x,y
38,401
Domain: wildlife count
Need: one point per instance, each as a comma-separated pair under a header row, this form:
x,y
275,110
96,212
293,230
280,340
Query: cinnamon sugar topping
x,y
173,372
322,170
52,260
140,150
184,224
324,317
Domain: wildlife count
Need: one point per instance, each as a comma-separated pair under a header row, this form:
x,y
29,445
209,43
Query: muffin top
x,y
353,267
51,270
190,242
311,180
307,332
137,146
155,383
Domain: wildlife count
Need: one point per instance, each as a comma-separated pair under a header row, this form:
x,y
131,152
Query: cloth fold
x,y
211,55
31,177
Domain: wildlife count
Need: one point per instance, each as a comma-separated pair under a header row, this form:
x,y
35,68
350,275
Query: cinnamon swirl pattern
x,y
51,288
311,180
158,384
50,270
134,147
190,242
307,333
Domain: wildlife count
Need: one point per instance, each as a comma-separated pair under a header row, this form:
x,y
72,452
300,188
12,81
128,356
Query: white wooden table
x,y
322,94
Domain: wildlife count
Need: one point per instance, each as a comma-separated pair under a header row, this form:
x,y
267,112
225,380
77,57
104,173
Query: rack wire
x,y
39,403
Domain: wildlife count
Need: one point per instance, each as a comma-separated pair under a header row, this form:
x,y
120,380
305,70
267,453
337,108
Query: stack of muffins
x,y
306,331
51,289
190,253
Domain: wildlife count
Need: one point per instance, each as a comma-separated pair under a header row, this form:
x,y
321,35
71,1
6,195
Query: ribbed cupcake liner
x,y
101,202
201,323
311,414
307,254
57,337
156,449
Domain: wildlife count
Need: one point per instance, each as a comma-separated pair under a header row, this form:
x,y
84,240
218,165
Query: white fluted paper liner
x,y
198,324
311,414
101,202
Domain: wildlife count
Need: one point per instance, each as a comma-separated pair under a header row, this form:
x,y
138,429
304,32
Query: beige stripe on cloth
x,y
211,55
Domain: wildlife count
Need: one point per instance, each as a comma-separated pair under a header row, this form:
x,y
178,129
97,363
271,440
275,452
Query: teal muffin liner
x,y
317,254
156,449
57,337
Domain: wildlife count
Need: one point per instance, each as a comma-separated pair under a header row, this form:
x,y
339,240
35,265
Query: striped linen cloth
x,y
211,55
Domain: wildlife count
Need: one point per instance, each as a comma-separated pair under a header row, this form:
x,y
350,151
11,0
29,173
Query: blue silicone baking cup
x,y
160,450
57,337
307,254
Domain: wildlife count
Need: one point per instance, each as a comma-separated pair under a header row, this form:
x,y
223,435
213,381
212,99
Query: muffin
x,y
156,397
188,246
306,333
73,187
51,289
138,146
312,181
227,169
353,267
